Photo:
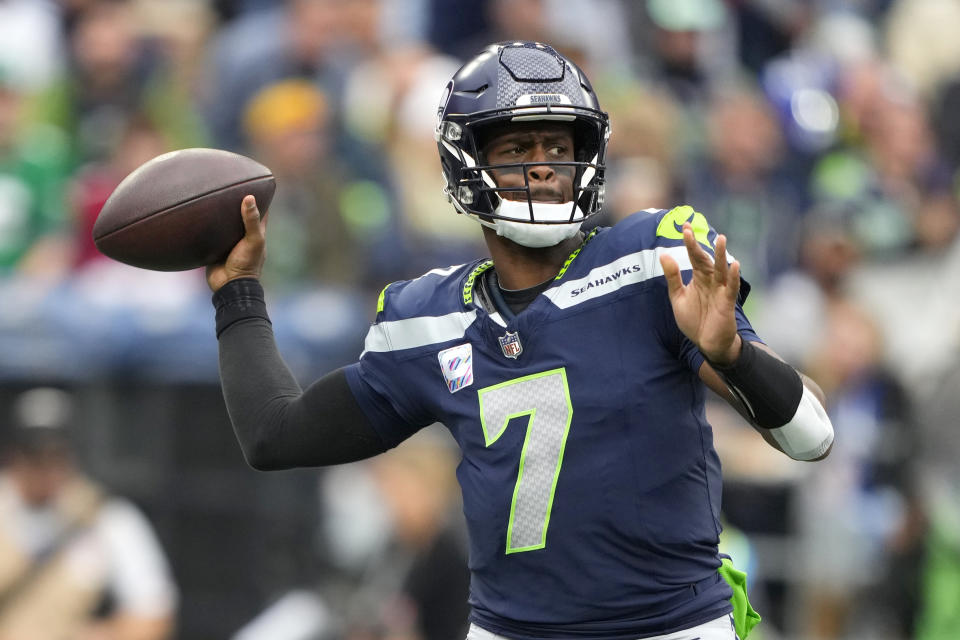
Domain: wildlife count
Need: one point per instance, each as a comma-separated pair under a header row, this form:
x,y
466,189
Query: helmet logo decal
x,y
543,98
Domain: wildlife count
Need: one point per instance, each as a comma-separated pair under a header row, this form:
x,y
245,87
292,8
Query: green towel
x,y
744,617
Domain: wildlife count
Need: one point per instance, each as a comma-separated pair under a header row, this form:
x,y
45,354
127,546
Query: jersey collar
x,y
471,281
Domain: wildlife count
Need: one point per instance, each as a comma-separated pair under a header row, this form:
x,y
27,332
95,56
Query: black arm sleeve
x,y
278,425
769,388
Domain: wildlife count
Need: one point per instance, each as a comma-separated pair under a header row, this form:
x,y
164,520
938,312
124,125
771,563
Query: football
x,y
181,210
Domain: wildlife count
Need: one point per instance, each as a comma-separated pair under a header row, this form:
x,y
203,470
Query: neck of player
x,y
520,267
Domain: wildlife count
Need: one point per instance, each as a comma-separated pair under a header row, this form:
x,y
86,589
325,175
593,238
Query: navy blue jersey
x,y
590,483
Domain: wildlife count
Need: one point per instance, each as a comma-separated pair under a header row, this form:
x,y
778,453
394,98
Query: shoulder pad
x,y
435,293
664,227
671,222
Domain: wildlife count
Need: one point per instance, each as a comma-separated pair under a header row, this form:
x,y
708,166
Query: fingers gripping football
x,y
246,258
704,308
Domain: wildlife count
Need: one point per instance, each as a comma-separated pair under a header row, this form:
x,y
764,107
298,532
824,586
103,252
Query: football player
x,y
571,369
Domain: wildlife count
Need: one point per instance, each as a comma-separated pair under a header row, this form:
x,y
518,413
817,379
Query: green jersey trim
x,y
383,293
471,280
573,256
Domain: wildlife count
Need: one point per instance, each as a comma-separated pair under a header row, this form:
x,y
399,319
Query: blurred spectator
x,y
797,305
31,47
112,75
803,83
396,553
920,41
860,87
687,46
767,29
437,234
319,41
177,32
419,487
744,186
644,152
138,142
326,226
861,513
109,285
593,32
906,296
75,561
886,175
33,169
315,40
506,20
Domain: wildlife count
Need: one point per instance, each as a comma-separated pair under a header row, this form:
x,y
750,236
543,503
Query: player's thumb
x,y
251,217
671,272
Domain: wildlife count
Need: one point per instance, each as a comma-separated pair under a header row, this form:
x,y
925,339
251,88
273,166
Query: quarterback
x,y
570,367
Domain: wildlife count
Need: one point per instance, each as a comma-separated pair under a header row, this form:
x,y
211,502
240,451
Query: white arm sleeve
x,y
139,576
809,433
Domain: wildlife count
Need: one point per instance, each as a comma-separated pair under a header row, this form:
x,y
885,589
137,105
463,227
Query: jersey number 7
x,y
545,398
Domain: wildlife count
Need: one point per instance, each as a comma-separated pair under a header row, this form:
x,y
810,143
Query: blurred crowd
x,y
820,135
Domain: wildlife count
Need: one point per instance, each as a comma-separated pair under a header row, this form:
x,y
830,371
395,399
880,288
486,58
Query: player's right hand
x,y
247,256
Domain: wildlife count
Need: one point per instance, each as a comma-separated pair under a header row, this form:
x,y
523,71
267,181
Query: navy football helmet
x,y
519,82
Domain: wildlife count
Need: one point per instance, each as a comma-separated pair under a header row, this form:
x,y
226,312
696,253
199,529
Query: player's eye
x,y
509,151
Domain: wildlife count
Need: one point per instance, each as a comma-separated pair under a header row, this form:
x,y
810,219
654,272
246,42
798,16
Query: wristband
x,y
237,300
769,388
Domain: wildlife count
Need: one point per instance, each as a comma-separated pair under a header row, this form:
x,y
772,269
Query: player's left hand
x,y
704,308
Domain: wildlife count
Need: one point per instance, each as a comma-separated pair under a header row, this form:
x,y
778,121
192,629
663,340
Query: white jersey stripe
x,y
609,278
417,332
441,272
496,317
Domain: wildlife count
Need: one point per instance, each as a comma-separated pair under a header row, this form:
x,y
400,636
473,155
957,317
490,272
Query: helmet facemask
x,y
474,191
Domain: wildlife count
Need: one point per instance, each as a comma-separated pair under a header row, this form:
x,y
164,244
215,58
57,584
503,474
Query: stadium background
x,y
820,135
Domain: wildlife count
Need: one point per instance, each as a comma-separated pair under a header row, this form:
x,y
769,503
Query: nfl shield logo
x,y
510,344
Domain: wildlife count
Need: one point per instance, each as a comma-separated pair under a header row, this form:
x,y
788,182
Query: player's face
x,y
539,144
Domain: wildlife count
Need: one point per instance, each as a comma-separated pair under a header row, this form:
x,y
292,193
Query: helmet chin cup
x,y
537,236
539,213
551,223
